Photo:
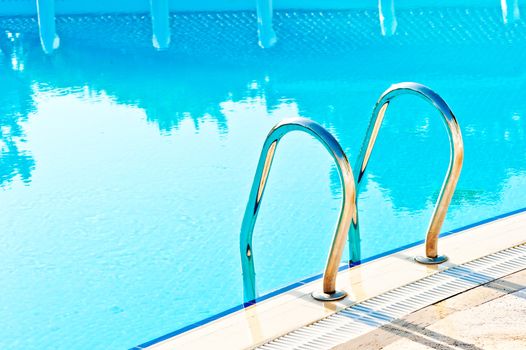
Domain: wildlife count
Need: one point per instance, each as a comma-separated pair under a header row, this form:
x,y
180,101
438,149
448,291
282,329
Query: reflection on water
x,y
15,106
510,11
137,164
388,22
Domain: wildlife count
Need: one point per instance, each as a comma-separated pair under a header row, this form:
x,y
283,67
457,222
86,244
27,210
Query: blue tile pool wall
x,y
124,173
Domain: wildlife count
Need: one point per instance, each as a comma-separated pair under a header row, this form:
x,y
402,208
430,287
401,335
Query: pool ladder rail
x,y
456,158
347,212
348,224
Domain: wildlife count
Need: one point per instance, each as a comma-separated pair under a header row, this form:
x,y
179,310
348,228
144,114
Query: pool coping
x,y
377,318
307,282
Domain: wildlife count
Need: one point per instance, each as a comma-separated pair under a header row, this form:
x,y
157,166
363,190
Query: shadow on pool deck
x,y
485,317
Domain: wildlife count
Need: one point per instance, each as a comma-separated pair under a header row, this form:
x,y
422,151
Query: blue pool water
x,y
124,172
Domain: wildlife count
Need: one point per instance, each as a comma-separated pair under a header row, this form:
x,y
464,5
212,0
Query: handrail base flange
x,y
439,259
321,296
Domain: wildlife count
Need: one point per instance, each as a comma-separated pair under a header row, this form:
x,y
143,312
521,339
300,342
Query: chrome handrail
x,y
453,172
347,212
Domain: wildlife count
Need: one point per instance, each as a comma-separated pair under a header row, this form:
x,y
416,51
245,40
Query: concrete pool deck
x,y
258,324
492,316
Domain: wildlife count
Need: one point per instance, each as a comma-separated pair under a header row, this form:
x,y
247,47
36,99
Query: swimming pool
x,y
125,172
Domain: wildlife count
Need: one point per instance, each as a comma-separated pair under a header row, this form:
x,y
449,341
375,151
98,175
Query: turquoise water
x,y
124,173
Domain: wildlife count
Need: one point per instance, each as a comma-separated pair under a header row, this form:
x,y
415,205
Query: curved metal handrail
x,y
455,162
347,212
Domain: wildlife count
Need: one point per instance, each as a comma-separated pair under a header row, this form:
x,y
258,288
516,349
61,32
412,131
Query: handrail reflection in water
x,y
347,212
453,172
49,39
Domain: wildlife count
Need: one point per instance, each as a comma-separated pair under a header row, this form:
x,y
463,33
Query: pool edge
x,y
238,308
